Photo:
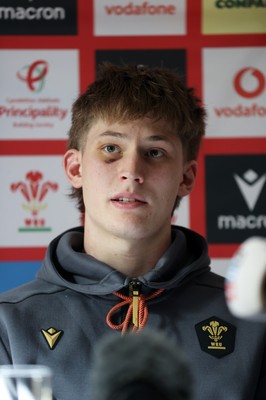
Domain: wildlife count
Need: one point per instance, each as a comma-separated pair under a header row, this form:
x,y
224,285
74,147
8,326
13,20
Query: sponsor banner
x,y
235,197
173,59
138,17
234,16
35,205
37,92
235,91
38,17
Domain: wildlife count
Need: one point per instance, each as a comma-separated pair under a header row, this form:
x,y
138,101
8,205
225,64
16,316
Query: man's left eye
x,y
155,153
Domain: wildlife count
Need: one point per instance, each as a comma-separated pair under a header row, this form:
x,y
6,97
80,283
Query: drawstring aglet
x,y
140,315
134,291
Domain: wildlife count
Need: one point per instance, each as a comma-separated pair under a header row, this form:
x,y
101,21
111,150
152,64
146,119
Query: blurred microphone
x,y
245,283
142,366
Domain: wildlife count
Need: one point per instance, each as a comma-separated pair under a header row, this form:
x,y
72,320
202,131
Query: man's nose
x,y
132,168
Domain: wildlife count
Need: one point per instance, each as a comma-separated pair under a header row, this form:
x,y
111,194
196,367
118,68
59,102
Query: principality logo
x,y
249,82
216,337
34,191
250,186
34,75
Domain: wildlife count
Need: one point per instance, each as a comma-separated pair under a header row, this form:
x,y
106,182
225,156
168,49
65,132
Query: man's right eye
x,y
111,148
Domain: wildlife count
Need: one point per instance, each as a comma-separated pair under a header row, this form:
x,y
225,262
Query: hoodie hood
x,y
67,265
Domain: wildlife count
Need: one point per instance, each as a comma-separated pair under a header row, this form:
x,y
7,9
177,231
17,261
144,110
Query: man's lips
x,y
128,199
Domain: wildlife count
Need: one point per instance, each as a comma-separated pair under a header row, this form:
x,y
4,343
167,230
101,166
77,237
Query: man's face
x,y
131,174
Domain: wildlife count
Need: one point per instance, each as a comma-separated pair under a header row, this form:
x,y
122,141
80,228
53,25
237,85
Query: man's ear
x,y
72,165
189,177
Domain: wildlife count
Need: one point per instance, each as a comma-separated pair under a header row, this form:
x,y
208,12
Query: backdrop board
x,y
49,52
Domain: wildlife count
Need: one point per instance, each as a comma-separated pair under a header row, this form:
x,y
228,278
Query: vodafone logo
x,y
146,8
138,17
249,82
34,75
237,99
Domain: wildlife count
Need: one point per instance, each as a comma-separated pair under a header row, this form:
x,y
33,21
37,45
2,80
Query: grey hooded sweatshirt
x,y
57,319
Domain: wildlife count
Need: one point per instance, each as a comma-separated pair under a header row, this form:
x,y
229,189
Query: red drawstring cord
x,y
142,314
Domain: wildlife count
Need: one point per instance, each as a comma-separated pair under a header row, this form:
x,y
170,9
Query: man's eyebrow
x,y
113,133
159,138
152,138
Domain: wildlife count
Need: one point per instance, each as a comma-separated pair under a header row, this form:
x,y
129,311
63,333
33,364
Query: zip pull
x,y
134,292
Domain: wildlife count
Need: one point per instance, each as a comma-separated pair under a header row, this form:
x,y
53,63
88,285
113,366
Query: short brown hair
x,y
123,93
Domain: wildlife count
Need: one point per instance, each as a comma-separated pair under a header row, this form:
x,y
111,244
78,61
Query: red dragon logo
x,y
34,192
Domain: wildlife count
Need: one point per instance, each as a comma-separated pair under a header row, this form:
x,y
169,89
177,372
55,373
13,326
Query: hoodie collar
x,y
67,265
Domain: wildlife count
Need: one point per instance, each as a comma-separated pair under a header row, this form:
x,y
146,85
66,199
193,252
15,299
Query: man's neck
x,y
130,257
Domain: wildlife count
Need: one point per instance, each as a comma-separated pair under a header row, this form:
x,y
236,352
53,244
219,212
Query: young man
x,y
131,158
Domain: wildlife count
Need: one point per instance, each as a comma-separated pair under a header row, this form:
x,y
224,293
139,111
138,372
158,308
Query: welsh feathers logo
x,y
34,75
34,191
249,82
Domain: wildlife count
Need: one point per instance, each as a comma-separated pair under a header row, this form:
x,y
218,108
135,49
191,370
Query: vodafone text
x,y
241,111
141,9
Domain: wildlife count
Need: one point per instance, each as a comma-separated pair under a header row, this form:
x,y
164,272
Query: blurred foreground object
x,y
245,285
25,382
144,365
